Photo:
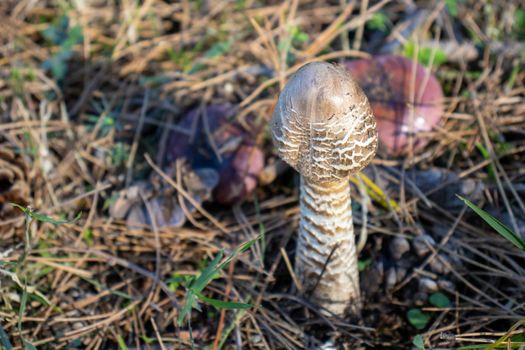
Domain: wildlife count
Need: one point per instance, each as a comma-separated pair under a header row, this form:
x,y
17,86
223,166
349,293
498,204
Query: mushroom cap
x,y
323,124
405,99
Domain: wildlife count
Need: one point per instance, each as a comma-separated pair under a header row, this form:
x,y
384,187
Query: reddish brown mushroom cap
x,y
392,88
241,156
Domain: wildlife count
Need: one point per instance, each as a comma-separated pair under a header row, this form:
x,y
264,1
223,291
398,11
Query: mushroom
x,y
405,98
323,127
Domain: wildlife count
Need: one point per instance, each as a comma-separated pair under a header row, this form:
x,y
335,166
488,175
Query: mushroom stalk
x,y
326,238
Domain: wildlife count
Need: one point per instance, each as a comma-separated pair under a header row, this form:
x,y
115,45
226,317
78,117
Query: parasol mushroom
x,y
323,127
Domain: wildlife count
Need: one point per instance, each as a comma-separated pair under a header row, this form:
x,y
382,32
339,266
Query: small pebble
x,y
420,244
398,247
329,345
74,313
78,325
437,266
428,285
446,285
390,278
256,340
228,88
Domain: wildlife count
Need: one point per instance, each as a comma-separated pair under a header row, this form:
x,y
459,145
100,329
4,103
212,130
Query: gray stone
x,y
420,244
398,246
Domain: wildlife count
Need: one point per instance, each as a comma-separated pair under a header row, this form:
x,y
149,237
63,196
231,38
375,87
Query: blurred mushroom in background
x,y
221,144
406,99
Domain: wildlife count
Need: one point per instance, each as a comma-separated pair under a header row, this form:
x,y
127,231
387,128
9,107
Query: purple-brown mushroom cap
x,y
393,84
241,158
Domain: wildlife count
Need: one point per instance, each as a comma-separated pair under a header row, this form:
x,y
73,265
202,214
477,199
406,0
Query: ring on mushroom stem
x,y
323,127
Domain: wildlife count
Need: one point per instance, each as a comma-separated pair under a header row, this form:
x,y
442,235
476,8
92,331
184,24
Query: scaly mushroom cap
x,y
323,125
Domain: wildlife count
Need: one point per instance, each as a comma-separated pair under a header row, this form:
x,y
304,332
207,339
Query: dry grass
x,y
72,137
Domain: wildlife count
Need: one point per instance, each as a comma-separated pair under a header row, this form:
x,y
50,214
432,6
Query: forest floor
x,y
134,139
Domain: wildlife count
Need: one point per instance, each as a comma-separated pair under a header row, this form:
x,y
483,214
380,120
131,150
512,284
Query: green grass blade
x,y
22,309
4,340
496,225
43,218
486,154
501,342
240,249
220,304
121,343
24,209
234,322
207,274
186,310
28,345
195,288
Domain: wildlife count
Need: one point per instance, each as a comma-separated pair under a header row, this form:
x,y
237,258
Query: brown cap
x,y
323,125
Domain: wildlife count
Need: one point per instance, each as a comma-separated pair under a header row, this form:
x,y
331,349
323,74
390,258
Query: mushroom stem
x,y
326,237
